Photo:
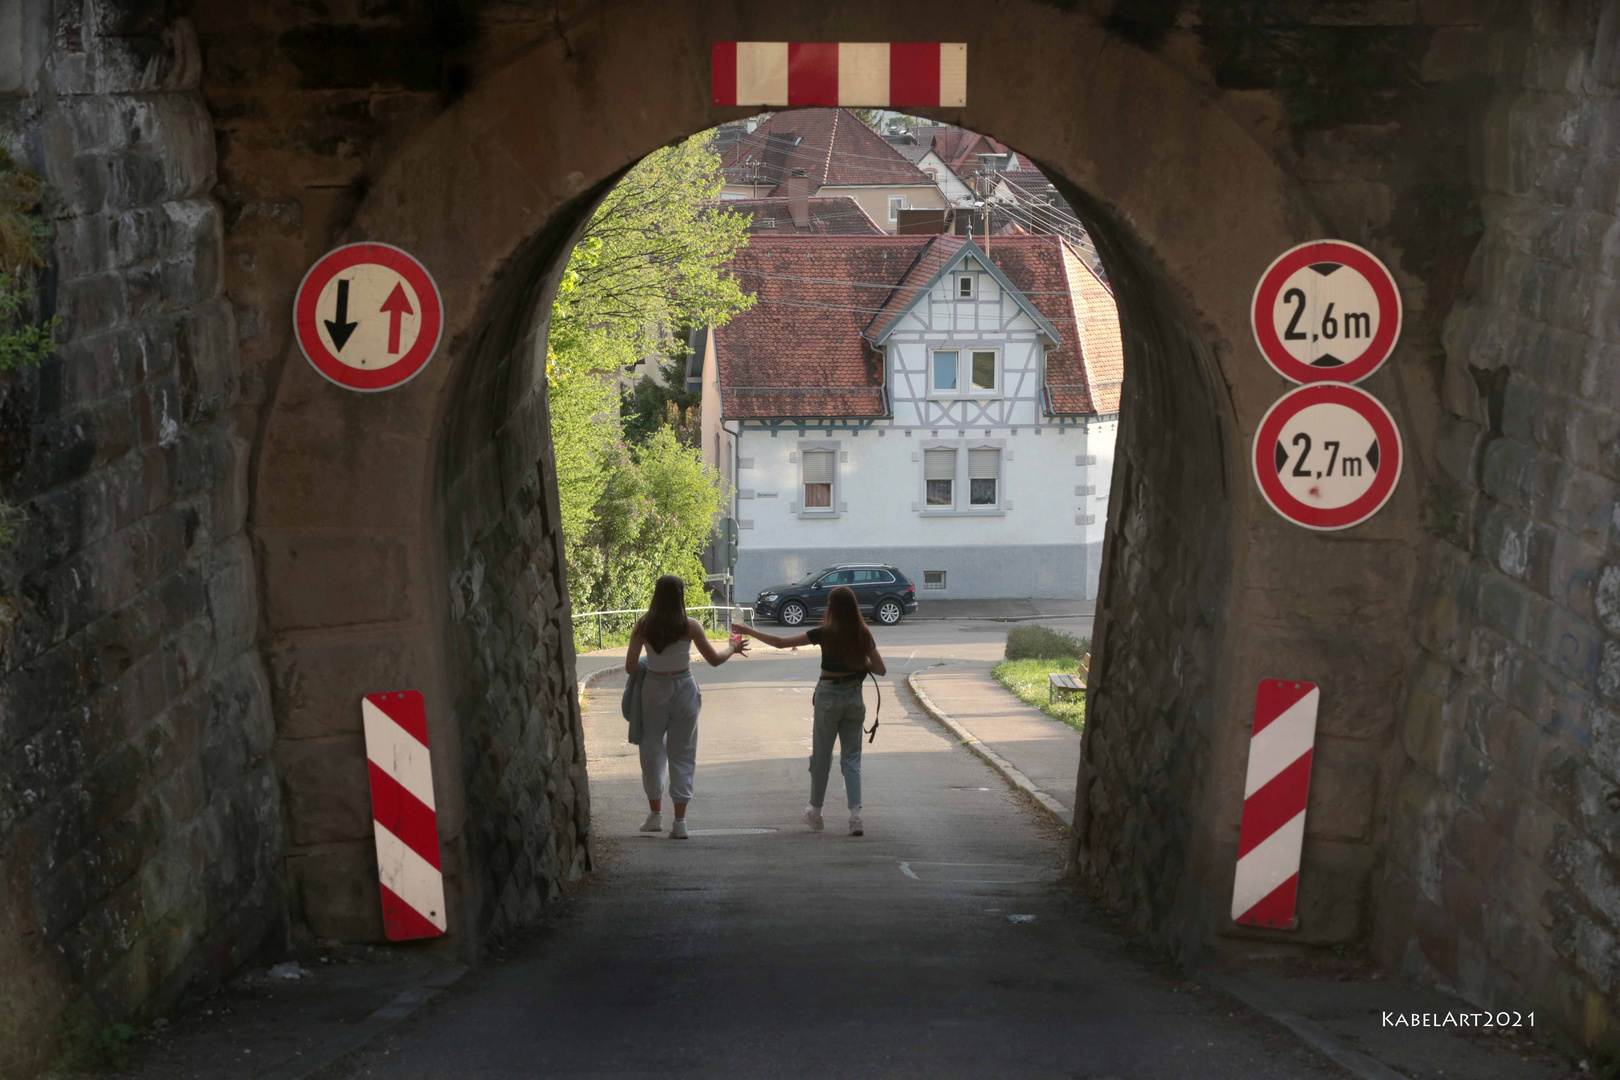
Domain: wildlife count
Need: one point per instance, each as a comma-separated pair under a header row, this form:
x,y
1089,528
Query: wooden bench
x,y
1058,683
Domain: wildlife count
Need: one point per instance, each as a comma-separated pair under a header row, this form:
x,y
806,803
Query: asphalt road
x,y
940,944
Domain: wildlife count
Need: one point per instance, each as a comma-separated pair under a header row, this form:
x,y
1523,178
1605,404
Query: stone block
x,y
1343,794
314,580
1585,502
1455,52
319,680
379,489
92,304
326,790
337,892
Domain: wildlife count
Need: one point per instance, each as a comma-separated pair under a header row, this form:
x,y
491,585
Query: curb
x,y
1009,772
590,680
401,1008
1308,1031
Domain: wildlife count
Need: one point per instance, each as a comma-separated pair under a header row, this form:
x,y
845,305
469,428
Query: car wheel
x,y
889,612
792,613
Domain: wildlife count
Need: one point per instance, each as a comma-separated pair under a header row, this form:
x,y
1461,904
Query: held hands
x,y
740,630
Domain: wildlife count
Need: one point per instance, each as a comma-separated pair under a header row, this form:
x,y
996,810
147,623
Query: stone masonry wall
x,y
139,817
1146,750
527,826
1504,862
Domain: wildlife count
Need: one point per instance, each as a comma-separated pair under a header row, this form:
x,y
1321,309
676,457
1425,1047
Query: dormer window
x,y
964,287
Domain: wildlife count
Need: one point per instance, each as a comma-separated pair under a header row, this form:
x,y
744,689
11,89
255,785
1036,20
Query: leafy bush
x,y
1044,643
22,342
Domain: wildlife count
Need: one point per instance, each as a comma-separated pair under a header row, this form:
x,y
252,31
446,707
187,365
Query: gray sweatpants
x,y
669,731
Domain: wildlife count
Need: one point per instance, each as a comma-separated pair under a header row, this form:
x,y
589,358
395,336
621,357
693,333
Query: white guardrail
x,y
734,613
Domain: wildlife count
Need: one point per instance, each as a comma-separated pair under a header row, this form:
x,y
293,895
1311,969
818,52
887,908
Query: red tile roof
x,y
1101,349
801,351
829,216
832,146
922,274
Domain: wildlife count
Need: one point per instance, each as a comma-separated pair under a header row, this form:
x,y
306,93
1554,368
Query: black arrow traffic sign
x,y
341,327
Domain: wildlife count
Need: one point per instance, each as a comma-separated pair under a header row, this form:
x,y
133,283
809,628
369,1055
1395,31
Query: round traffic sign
x,y
1327,456
368,316
1326,311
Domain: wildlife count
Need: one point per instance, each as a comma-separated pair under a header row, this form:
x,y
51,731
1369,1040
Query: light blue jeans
x,y
840,714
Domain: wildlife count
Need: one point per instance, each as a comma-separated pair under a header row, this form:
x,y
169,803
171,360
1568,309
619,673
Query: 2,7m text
x,y
1459,1019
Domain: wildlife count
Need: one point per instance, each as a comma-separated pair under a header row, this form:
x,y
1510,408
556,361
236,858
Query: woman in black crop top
x,y
847,654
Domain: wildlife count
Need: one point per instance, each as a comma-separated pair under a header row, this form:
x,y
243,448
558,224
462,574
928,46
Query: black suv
x,y
883,591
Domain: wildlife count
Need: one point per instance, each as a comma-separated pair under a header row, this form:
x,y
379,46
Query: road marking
x,y
729,832
905,868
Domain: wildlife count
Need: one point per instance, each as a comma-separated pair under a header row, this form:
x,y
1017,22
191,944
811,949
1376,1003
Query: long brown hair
x,y
844,635
665,621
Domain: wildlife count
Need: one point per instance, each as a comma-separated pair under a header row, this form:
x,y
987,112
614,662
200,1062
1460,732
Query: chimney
x,y
797,190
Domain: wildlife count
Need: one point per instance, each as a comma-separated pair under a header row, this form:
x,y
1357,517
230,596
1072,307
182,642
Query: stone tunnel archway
x,y
441,494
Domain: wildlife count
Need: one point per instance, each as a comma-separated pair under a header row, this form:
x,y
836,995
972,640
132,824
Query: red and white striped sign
x,y
1274,794
403,815
872,74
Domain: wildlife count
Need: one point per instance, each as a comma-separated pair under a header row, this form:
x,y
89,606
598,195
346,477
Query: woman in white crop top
x,y
670,699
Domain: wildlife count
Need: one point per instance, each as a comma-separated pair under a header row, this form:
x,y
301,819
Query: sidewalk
x,y
1337,1007
1044,750
928,608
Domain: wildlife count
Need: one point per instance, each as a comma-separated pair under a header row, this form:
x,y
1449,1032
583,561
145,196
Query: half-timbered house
x,y
921,401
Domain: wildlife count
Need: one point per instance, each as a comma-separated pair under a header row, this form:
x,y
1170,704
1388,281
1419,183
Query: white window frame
x,y
956,476
1001,477
970,280
830,446
964,371
969,390
897,203
935,392
962,484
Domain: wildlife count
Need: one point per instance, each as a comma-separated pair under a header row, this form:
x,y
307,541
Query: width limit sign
x,y
1327,456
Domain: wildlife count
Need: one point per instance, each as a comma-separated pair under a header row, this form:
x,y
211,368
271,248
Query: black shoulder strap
x,y
877,717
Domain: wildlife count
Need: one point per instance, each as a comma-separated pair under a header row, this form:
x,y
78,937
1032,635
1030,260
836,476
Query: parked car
x,y
883,591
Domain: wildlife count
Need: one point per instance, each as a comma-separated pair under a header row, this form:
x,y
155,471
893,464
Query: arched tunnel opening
x,y
1167,536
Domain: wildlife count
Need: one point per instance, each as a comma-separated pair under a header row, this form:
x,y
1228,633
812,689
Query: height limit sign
x,y
1327,456
368,316
1326,311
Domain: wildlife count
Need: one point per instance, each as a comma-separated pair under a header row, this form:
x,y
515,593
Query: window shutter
x,y
819,467
939,465
984,464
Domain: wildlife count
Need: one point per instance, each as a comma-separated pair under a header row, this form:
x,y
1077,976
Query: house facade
x,y
828,153
918,401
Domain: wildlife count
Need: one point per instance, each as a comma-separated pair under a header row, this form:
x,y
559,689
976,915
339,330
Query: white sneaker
x,y
813,818
654,822
855,827
677,831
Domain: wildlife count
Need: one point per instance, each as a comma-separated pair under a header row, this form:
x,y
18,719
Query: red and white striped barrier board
x,y
1274,794
403,816
873,74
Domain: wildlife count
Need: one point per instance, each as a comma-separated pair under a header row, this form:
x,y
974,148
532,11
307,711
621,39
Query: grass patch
x,y
1027,679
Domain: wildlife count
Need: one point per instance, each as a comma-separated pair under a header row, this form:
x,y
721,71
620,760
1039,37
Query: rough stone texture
x,y
523,746
139,817
1503,861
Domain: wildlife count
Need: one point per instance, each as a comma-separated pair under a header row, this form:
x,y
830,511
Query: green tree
x,y
636,499
652,259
